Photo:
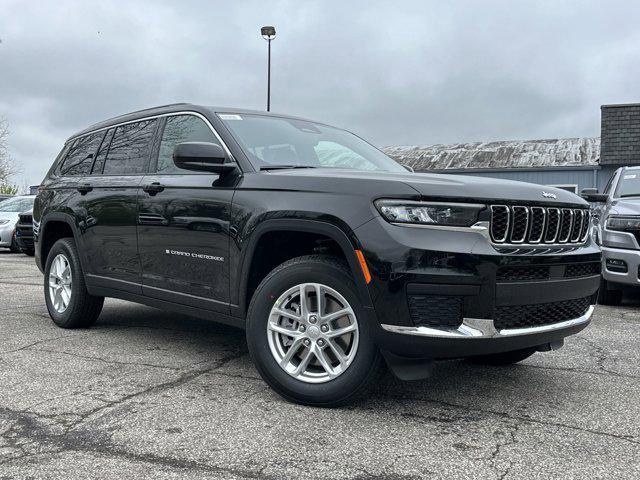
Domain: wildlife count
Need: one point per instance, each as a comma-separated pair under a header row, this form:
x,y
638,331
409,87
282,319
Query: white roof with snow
x,y
562,152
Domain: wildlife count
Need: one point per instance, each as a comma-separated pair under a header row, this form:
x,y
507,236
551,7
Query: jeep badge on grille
x,y
549,195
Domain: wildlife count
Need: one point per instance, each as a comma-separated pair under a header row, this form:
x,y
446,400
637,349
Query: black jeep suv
x,y
334,258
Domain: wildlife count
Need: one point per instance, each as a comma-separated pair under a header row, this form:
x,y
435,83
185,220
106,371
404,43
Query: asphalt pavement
x,y
152,394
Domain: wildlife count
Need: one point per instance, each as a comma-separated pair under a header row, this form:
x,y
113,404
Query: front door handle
x,y
153,188
84,188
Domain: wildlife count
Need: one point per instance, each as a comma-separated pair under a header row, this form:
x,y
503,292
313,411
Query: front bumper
x,y
497,310
6,234
631,258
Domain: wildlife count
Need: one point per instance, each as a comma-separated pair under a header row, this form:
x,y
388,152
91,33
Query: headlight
x,y
429,213
623,223
4,222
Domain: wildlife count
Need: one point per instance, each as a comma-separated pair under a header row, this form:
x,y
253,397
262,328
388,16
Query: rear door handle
x,y
153,188
84,188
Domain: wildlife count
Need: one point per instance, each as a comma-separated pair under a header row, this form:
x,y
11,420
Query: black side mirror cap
x,y
202,157
592,195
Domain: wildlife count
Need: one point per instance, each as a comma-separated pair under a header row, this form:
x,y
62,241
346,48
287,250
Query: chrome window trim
x,y
162,115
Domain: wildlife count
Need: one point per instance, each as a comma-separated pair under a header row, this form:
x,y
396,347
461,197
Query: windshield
x,y
17,204
629,184
277,141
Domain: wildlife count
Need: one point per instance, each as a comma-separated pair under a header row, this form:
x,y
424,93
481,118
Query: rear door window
x,y
130,148
178,129
80,157
98,165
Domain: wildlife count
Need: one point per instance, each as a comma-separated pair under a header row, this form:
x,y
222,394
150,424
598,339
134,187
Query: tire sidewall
x,y
263,300
67,248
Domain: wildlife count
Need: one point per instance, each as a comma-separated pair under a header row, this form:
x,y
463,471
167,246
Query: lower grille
x,y
523,316
522,273
436,310
582,270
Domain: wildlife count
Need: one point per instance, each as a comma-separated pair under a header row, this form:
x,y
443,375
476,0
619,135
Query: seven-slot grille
x,y
538,225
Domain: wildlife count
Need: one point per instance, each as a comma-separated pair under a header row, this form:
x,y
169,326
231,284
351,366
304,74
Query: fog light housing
x,y
616,265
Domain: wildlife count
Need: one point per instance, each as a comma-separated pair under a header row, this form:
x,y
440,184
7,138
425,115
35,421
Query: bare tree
x,y
8,167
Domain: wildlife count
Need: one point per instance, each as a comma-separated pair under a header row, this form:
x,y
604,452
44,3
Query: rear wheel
x,y
307,333
505,358
68,302
608,294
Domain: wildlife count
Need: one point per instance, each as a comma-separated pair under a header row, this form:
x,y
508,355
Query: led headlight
x,y
4,222
623,223
429,213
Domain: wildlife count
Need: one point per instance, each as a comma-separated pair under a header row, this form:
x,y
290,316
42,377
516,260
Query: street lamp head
x,y
268,32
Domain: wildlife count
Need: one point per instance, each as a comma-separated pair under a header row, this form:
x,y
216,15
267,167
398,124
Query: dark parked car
x,y
334,258
24,233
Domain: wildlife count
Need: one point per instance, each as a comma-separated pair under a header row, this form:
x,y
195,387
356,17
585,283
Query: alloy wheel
x,y
313,333
60,280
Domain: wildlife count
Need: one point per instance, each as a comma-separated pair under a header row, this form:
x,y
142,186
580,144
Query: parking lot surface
x,y
147,393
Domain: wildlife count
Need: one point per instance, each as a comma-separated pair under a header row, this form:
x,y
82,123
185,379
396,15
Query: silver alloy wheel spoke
x,y
312,332
60,283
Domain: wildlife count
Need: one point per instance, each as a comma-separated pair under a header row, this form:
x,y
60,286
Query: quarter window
x,y
181,128
80,157
129,150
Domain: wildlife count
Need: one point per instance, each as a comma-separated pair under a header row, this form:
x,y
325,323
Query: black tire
x,y
608,295
367,364
14,248
505,358
83,309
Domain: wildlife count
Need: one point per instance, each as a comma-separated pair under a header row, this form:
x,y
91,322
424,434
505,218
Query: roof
x,y
171,108
563,152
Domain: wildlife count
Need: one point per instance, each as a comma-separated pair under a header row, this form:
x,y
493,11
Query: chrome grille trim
x,y
533,225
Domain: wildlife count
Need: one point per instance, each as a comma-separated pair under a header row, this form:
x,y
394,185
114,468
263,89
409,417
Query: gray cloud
x,y
411,72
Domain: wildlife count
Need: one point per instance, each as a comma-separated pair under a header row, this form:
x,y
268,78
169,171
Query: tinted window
x,y
80,157
181,128
98,165
129,150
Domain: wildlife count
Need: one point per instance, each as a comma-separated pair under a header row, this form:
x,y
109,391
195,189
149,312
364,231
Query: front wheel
x,y
308,336
69,303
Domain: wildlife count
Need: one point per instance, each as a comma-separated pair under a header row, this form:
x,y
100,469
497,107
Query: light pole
x,y
268,33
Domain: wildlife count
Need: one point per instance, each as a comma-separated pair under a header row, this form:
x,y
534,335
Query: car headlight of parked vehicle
x,y
429,213
623,223
4,222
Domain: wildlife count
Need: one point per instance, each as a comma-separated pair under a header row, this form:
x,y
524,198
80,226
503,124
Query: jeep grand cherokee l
x,y
334,258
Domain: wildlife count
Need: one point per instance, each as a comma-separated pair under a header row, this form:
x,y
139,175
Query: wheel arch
x,y
347,244
54,226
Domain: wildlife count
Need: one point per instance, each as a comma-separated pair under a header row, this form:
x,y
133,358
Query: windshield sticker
x,y
628,177
229,116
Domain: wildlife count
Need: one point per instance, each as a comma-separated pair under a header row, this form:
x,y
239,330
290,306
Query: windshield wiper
x,y
630,195
283,167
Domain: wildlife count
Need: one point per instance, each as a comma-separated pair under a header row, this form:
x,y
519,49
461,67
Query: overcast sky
x,y
402,72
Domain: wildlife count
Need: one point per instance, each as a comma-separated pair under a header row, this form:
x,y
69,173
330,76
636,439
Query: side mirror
x,y
202,157
592,195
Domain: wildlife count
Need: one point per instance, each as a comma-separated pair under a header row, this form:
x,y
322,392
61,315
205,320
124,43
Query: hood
x,y
454,187
9,216
626,206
